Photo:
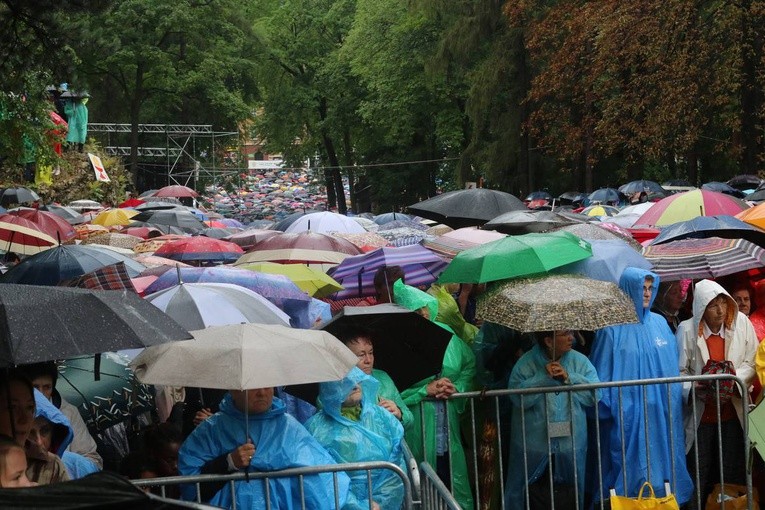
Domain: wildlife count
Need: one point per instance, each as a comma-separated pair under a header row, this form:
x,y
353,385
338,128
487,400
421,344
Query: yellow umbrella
x,y
314,282
115,217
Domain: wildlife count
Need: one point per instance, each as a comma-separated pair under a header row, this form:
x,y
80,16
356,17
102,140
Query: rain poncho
x,y
280,443
459,367
376,436
44,466
77,117
449,314
570,452
388,390
627,352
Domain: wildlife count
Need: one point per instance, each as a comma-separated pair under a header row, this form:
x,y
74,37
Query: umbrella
x,y
165,229
11,196
367,241
757,196
467,207
230,222
156,205
142,232
64,263
69,214
246,356
642,186
451,243
688,205
356,274
85,230
404,236
113,239
556,302
151,261
114,277
46,323
175,191
629,215
382,219
593,231
85,205
703,258
324,222
173,218
538,195
438,229
289,220
722,187
711,226
155,243
369,225
219,233
754,216
53,225
316,283
23,237
600,210
573,197
200,248
605,195
756,434
148,193
201,305
515,256
113,217
263,224
303,248
132,202
745,181
525,222
248,238
608,262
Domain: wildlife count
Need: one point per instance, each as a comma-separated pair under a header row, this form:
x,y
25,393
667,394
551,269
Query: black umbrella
x,y
66,262
641,186
149,193
67,213
155,205
218,232
573,197
467,207
757,196
525,222
722,187
46,323
165,229
745,181
407,346
174,218
678,182
11,196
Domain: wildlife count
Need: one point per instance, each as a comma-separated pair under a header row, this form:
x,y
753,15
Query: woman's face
x,y
362,347
13,474
353,398
21,407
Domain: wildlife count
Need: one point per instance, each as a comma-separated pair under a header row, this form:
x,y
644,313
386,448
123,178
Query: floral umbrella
x,y
114,239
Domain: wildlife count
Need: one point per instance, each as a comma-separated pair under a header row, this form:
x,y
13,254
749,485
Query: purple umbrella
x,y
420,265
231,222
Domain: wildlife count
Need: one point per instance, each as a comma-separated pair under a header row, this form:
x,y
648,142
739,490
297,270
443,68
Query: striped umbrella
x,y
23,237
703,258
689,205
356,274
55,226
303,248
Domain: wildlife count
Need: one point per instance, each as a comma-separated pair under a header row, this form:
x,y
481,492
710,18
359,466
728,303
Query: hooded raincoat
x,y
280,442
77,117
45,467
459,367
76,465
740,348
652,437
375,436
530,414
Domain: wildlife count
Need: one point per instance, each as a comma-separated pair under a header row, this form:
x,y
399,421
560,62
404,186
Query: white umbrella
x,y
629,215
324,222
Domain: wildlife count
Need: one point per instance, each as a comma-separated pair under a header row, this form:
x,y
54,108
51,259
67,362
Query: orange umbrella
x,y
754,216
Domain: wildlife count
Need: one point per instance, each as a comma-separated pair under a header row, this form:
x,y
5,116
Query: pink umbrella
x,y
55,226
176,191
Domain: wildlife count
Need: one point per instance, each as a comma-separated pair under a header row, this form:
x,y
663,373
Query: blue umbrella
x,y
66,262
642,186
382,219
722,187
727,227
609,260
605,195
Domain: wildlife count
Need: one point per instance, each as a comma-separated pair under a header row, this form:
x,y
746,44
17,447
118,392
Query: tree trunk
x,y
135,117
334,170
329,182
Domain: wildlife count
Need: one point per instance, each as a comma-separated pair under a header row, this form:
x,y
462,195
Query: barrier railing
x,y
435,495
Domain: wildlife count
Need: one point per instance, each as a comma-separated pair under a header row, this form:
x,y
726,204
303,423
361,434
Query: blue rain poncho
x,y
627,352
77,118
280,443
375,436
569,451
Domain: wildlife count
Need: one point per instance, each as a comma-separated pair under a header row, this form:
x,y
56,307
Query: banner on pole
x,y
98,168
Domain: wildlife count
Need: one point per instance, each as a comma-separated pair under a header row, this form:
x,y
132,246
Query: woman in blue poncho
x,y
626,352
276,441
353,428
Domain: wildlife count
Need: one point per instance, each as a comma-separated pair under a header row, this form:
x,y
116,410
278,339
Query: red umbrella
x,y
22,236
55,226
131,202
142,232
215,224
301,248
176,191
200,248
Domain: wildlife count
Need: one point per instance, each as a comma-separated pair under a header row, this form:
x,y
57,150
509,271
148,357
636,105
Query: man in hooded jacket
x,y
717,332
650,432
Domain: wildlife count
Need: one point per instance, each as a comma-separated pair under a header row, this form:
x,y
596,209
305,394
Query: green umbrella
x,y
516,256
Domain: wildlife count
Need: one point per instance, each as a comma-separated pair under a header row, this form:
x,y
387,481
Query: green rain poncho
x,y
77,118
449,314
364,434
389,391
459,367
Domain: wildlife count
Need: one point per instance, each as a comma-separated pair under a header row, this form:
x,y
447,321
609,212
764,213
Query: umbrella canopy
x,y
164,229
112,217
600,210
114,277
628,216
367,241
382,219
467,207
727,227
173,217
155,243
113,239
85,205
526,222
200,248
593,231
47,323
754,216
452,243
305,247
176,191
142,232
148,193
201,305
722,187
248,238
156,205
703,258
605,195
23,237
642,186
316,283
246,356
152,261
325,222
283,224
745,181
573,197
356,274
53,225
690,204
368,224
515,256
608,262
86,230
556,302
408,347
64,263
132,202
538,195
67,213
219,233
10,196
757,196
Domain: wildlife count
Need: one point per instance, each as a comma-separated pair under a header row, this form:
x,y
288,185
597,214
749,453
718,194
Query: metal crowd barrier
x,y
435,495
495,405
265,477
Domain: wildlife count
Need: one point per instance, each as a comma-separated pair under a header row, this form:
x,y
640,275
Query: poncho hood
x,y
413,298
631,282
704,292
332,394
62,429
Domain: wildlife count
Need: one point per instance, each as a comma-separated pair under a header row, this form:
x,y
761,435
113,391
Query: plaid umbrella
x,y
356,274
556,302
113,239
703,258
112,277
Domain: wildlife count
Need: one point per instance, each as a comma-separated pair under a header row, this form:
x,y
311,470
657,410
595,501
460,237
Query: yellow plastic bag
x,y
641,503
734,497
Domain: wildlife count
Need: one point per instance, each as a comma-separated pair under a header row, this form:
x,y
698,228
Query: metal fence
x,y
485,433
435,495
